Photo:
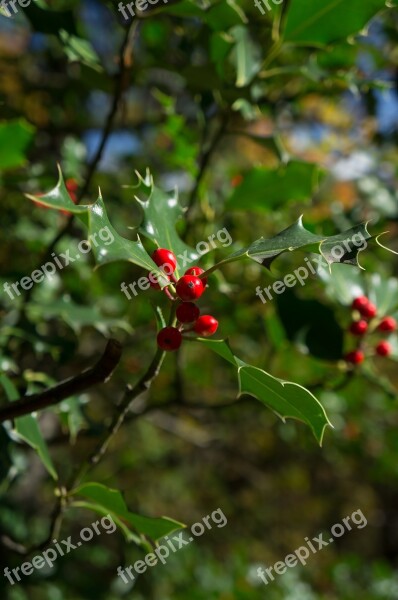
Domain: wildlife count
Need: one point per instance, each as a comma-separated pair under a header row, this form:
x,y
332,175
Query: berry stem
x,y
169,294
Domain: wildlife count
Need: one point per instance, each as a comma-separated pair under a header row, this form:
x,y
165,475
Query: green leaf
x,y
71,415
383,291
110,501
393,340
95,219
312,22
15,137
342,248
265,189
161,212
245,55
27,428
272,143
285,398
76,316
79,50
224,15
342,284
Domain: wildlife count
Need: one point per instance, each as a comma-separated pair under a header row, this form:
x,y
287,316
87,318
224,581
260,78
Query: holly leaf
x,y
161,212
341,248
285,398
106,248
26,428
76,316
135,527
310,22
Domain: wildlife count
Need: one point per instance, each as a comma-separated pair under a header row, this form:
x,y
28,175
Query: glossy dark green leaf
x,y
161,212
107,244
106,500
342,248
320,23
285,398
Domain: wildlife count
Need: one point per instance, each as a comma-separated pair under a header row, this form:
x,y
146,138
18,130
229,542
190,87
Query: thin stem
x,y
130,394
92,167
204,161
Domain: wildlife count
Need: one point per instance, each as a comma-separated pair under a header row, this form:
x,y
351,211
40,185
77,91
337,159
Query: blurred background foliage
x,y
256,119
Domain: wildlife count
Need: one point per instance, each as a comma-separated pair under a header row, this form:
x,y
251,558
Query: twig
x,y
130,394
99,373
92,167
204,161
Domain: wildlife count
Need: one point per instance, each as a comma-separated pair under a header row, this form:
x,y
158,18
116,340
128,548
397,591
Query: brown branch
x,y
99,373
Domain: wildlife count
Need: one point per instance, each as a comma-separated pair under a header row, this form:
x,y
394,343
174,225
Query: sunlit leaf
x,y
287,399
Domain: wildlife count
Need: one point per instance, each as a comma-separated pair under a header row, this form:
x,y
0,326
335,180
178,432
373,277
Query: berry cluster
x,y
188,288
368,323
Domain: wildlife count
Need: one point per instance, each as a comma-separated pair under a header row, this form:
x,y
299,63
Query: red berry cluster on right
x,y
189,288
368,323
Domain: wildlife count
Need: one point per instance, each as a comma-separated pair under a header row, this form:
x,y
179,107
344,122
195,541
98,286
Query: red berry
x,y
196,272
169,339
359,303
166,259
359,327
236,180
369,311
383,349
356,357
187,312
206,325
189,288
387,324
153,281
71,185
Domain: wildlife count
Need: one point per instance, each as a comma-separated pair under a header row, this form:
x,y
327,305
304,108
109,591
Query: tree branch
x,y
99,373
